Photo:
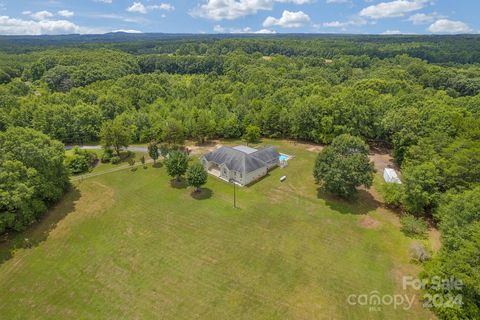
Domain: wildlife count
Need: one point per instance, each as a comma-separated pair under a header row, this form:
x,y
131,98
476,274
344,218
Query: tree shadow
x,y
203,194
363,203
39,230
157,165
125,156
206,143
181,184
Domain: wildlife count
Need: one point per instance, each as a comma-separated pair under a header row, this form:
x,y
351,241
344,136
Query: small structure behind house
x,y
241,164
390,176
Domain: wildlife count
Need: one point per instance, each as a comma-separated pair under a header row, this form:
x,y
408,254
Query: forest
x,y
418,96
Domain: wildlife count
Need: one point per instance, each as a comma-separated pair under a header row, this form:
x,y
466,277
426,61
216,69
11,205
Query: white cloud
x,y
65,13
344,24
104,1
234,9
421,18
41,15
127,31
13,26
288,20
338,1
393,9
138,7
124,18
449,26
392,32
265,31
219,29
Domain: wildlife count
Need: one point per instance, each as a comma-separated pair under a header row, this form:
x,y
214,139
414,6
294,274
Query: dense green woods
x,y
419,96
32,176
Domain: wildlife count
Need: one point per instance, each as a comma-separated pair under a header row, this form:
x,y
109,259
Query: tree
x,y
252,134
32,176
196,176
17,189
462,265
115,134
420,187
59,78
176,164
203,126
173,132
456,212
153,151
343,166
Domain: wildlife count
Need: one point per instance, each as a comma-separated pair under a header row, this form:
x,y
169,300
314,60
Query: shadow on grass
x,y
363,203
38,231
208,143
202,194
157,165
178,184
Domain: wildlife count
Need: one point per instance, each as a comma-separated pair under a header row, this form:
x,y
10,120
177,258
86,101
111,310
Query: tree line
x,y
427,114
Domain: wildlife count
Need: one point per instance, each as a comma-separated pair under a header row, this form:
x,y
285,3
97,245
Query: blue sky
x,y
240,16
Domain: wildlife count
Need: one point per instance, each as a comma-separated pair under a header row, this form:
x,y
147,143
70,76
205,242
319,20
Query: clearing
x,y
128,244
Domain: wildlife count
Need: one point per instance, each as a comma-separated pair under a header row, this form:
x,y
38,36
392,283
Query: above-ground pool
x,y
283,157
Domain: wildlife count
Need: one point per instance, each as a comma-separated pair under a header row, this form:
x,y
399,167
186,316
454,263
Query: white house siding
x,y
254,175
224,172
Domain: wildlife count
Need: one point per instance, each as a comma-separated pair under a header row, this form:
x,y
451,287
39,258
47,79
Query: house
x,y
391,176
241,164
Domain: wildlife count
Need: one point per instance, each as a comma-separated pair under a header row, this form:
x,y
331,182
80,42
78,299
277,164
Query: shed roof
x,y
390,175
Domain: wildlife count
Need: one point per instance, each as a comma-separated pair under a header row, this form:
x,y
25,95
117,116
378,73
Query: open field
x,y
130,245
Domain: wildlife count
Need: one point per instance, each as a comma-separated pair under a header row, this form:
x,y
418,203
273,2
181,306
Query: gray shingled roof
x,y
268,154
240,161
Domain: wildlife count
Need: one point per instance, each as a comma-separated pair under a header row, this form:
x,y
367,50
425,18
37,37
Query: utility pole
x,y
234,193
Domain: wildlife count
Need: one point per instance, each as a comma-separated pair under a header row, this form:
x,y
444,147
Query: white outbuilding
x,y
390,176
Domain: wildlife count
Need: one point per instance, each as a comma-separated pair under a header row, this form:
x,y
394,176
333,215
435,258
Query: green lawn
x,y
129,245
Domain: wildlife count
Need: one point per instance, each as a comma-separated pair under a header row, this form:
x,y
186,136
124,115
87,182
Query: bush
x,y
106,156
392,194
419,253
77,164
414,227
115,160
81,161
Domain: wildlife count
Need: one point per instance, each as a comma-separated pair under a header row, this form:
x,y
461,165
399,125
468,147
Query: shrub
x,y
77,164
392,194
106,156
81,161
115,160
419,253
414,227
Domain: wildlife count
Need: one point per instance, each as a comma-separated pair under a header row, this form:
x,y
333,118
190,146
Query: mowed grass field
x,y
129,245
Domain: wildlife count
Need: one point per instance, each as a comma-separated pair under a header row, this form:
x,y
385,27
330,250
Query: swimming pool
x,y
283,157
